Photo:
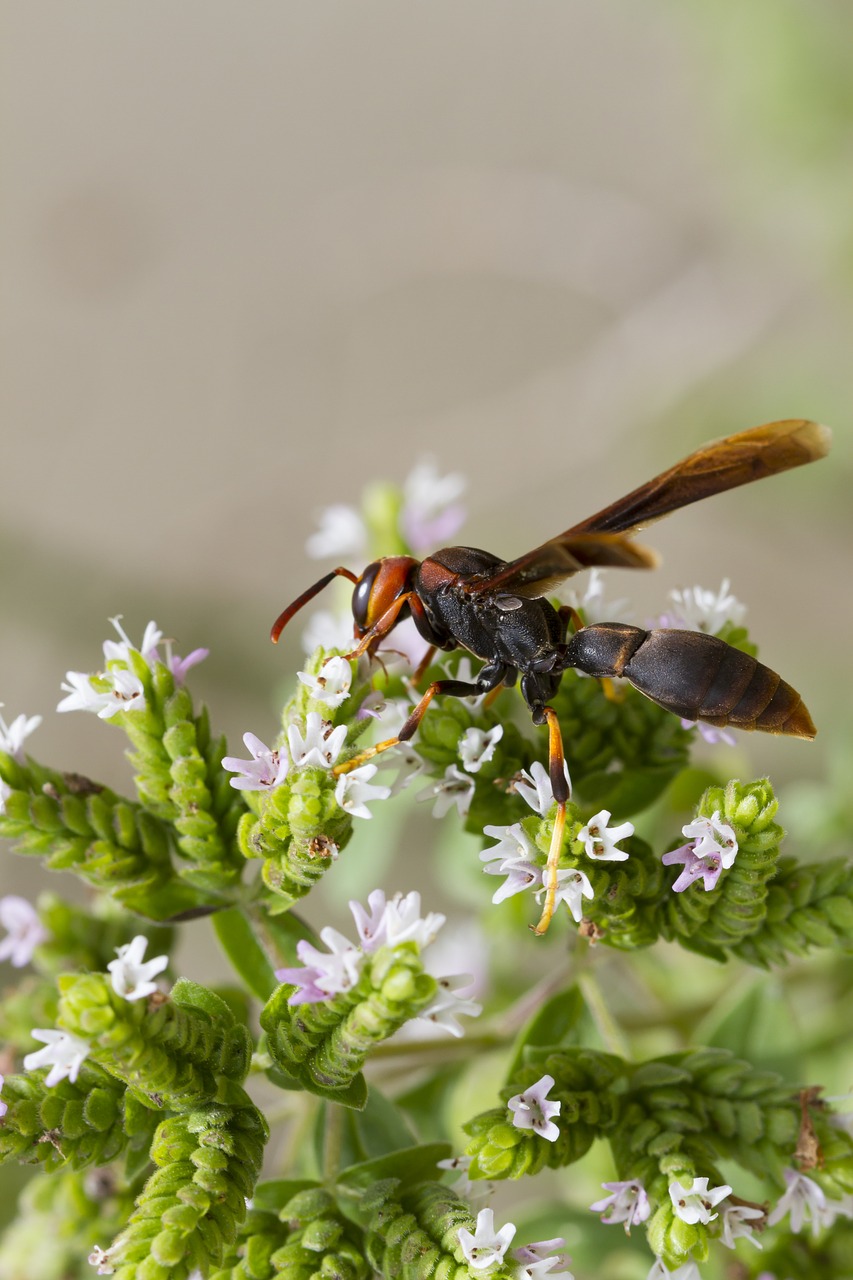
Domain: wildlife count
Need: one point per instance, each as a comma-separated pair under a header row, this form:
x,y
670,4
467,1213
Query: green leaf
x,y
411,1165
627,792
283,932
174,900
239,941
552,1026
273,1195
354,1095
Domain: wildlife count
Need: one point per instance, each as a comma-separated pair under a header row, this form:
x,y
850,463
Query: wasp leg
x,y
423,664
560,788
488,678
380,628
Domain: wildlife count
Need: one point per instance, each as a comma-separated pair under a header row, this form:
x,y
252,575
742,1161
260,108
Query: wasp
x,y
462,597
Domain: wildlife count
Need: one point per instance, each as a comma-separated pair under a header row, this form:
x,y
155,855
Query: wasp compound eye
x,y
361,595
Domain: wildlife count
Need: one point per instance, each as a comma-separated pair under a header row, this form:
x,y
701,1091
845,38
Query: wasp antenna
x,y
283,618
815,438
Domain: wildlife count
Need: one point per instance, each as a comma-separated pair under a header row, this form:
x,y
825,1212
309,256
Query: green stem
x,y
332,1142
609,1030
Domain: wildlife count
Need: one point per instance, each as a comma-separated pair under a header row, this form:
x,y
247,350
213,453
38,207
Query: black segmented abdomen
x,y
694,675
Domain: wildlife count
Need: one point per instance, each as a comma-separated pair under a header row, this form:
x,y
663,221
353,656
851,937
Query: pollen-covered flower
x,y
532,1110
535,787
354,791
326,973
740,1221
455,788
713,846
485,1247
321,744
332,683
266,770
600,841
24,930
130,974
628,1203
694,1203
698,609
63,1052
534,1261
342,532
477,746
13,736
432,513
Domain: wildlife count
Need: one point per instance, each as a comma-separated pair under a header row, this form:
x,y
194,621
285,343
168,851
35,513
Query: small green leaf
x,y
411,1165
273,1195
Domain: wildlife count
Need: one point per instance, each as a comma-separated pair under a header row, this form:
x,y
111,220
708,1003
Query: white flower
x,y
736,1220
486,1247
694,1203
321,744
354,791
327,630
455,788
689,1271
515,857
332,683
572,887
699,609
599,840
535,787
13,736
327,973
477,746
431,511
628,1203
24,930
120,651
83,697
131,976
63,1053
267,768
402,921
448,1005
593,604
100,1258
712,838
807,1202
532,1110
465,1188
534,1262
5,792
342,532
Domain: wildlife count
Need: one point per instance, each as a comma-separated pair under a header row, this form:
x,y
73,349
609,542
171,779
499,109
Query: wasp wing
x,y
603,540
723,464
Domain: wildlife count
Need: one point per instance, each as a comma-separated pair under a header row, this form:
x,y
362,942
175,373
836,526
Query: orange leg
x,y
560,788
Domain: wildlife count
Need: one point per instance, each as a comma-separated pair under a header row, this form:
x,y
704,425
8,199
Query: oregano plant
x,y
411,1093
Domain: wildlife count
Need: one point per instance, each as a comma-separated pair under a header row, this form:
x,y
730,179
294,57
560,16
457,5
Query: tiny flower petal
x,y
534,1262
321,744
448,1005
354,791
82,696
4,1106
485,1247
266,770
712,836
694,1203
130,974
689,1271
532,1110
431,511
455,788
472,1191
63,1053
535,787
572,888
13,736
600,841
332,683
710,732
342,532
593,603
477,746
100,1258
699,609
806,1201
736,1220
327,973
24,929
628,1203
127,694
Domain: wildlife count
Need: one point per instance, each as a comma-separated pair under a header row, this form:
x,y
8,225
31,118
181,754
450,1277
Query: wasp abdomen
x,y
694,675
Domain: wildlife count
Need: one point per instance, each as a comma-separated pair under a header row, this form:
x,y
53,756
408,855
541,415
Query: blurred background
x,y
255,257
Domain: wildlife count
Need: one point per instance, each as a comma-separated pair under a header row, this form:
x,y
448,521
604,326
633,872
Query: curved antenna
x,y
283,618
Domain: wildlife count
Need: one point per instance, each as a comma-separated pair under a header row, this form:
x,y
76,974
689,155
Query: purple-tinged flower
x,y
100,1258
354,791
628,1203
535,787
4,1106
447,1006
63,1052
266,770
699,609
532,1110
13,736
706,869
712,847
688,1271
600,841
24,930
321,744
485,1247
342,532
455,788
332,683
326,973
130,974
431,513
402,921
471,1190
710,732
740,1220
534,1261
694,1203
370,925
477,746
180,666
806,1202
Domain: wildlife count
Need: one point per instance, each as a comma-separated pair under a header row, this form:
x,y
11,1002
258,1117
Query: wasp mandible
x,y
462,597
